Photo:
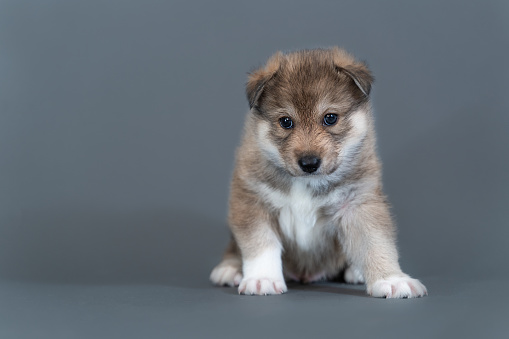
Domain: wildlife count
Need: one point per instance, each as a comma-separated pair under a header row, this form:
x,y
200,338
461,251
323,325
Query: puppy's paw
x,y
262,286
353,275
397,287
228,272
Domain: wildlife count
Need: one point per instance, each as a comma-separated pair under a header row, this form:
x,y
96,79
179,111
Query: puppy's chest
x,y
304,219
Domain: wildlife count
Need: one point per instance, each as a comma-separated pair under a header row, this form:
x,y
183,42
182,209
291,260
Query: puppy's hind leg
x,y
229,270
353,275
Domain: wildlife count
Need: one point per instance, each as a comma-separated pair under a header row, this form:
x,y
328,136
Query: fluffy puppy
x,y
306,197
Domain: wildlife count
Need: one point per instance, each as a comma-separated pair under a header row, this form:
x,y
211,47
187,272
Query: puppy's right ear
x,y
257,80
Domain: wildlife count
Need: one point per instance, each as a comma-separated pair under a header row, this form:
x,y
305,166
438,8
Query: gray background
x,y
118,124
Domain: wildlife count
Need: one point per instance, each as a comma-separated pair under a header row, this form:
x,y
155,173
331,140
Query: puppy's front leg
x,y
258,243
262,267
367,236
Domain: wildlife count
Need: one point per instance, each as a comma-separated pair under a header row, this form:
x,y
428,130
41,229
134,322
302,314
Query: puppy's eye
x,y
330,119
286,122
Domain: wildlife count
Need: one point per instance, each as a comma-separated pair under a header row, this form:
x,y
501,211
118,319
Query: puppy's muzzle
x,y
309,163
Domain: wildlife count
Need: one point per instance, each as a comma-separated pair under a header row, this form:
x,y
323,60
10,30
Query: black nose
x,y
309,164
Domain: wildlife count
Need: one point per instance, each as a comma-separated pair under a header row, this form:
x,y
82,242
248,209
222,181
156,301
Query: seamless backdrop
x,y
118,125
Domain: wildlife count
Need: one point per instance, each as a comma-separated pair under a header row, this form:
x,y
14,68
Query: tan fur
x,y
310,226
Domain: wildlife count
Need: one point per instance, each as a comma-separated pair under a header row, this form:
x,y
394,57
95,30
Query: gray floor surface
x,y
195,309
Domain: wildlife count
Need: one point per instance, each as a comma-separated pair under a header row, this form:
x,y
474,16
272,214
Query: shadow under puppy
x,y
306,198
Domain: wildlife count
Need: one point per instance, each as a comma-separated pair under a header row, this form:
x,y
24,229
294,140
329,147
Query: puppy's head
x,y
311,108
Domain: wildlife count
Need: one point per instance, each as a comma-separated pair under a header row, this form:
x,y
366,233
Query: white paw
x,y
397,287
353,275
262,286
228,272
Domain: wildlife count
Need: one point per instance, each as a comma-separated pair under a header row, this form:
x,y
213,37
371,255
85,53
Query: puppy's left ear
x,y
258,79
358,72
360,75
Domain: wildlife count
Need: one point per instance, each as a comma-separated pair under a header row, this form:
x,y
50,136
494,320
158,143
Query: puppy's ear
x,y
359,72
360,75
259,78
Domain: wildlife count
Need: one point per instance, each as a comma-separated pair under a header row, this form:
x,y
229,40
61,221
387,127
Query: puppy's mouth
x,y
298,172
306,175
322,171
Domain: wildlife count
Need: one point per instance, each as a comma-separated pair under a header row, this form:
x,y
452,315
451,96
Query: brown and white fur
x,y
288,223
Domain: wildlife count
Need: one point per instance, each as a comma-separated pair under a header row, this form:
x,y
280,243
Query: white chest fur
x,y
298,214
298,217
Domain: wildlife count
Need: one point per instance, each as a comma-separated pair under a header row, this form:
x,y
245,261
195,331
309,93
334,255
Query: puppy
x,y
306,198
